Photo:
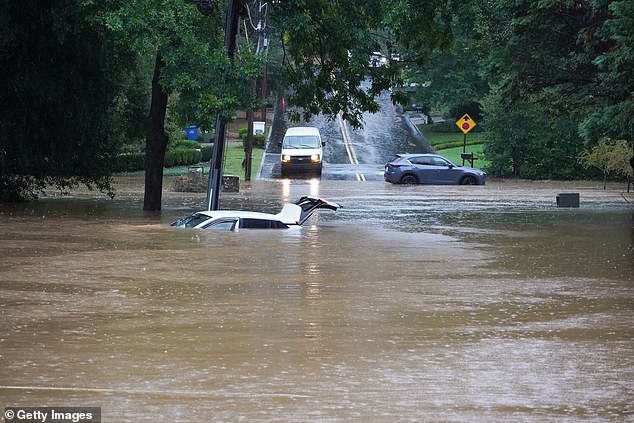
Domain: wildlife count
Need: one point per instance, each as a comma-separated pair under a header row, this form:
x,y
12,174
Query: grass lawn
x,y
440,141
234,154
453,154
437,138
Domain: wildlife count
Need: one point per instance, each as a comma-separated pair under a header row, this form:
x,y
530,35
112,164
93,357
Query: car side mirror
x,y
450,166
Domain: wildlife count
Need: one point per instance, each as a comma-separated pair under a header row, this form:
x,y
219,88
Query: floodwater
x,y
409,304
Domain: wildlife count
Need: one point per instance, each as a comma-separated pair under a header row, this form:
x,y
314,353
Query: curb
x,y
268,140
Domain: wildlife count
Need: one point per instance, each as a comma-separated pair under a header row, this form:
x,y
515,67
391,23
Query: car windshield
x,y
301,141
190,221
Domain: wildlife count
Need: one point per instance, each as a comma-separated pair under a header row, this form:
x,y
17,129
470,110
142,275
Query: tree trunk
x,y
155,142
248,148
264,88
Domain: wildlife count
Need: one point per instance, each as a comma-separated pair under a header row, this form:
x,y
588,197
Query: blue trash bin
x,y
192,133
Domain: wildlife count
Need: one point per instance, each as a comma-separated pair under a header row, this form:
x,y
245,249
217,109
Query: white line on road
x,y
347,143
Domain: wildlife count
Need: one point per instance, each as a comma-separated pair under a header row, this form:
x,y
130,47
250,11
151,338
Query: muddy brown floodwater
x,y
409,304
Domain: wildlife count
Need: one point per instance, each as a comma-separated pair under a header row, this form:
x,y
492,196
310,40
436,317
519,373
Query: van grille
x,y
300,159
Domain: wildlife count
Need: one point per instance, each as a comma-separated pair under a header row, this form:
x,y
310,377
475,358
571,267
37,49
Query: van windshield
x,y
301,141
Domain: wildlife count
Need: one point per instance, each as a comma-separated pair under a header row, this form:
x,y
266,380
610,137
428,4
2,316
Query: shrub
x,y
182,157
259,140
611,157
242,133
184,144
449,127
443,127
129,162
454,144
206,152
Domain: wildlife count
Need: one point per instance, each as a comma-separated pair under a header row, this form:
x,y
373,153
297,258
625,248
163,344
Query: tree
x,y
453,78
328,44
610,157
541,56
189,59
60,74
613,101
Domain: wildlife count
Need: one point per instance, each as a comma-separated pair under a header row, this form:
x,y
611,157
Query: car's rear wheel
x,y
468,180
409,179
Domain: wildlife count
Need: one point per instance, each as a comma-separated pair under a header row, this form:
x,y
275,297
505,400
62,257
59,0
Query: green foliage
x,y
453,154
259,140
183,153
613,99
327,46
562,70
242,133
234,156
206,152
184,144
129,162
610,157
60,78
449,127
182,157
442,136
456,143
522,141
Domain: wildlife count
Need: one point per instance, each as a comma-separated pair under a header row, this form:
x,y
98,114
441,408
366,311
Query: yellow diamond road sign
x,y
465,123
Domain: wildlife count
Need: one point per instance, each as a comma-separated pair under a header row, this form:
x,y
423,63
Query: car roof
x,y
291,214
216,214
302,130
405,156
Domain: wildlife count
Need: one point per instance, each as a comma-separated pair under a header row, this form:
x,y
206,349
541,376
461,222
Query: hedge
x,y
448,126
453,144
182,157
184,144
129,162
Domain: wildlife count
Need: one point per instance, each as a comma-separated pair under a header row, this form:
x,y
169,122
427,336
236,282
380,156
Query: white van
x,y
302,150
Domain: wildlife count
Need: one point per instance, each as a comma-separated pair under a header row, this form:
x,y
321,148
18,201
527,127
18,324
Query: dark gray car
x,y
430,169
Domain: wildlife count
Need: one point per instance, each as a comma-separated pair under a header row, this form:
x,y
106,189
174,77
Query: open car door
x,y
309,204
302,209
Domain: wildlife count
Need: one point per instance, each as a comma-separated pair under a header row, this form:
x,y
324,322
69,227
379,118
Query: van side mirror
x,y
323,143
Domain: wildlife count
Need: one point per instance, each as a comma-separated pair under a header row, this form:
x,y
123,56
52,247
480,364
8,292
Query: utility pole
x,y
248,148
214,184
264,84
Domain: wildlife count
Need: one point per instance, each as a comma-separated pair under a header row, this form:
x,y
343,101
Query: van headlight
x,y
315,158
286,158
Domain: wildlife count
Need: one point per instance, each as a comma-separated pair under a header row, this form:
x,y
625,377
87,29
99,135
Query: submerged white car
x,y
230,220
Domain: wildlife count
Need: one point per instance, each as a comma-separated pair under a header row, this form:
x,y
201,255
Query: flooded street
x,y
411,303
351,154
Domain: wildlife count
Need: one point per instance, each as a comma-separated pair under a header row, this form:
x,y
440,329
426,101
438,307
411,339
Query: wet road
x,y
409,304
352,154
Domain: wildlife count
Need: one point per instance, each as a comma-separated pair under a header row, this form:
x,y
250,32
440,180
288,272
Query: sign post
x,y
466,124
